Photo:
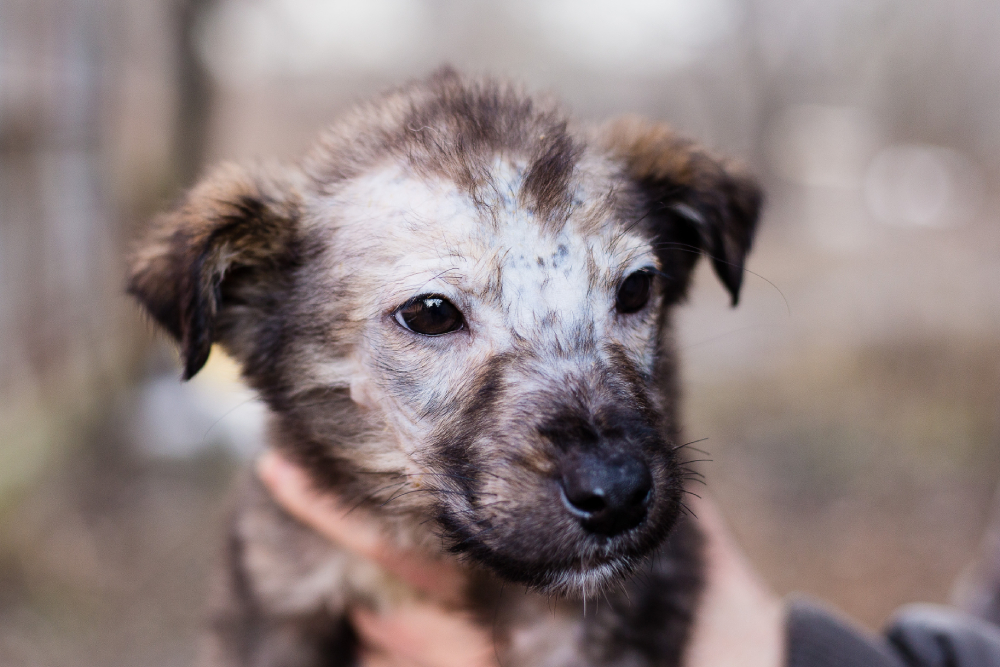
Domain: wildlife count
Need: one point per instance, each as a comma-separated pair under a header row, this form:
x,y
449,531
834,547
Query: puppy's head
x,y
458,309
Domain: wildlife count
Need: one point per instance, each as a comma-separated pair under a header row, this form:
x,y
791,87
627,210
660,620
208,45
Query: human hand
x,y
432,631
740,622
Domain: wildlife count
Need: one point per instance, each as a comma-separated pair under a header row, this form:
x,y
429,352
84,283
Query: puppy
x,y
457,308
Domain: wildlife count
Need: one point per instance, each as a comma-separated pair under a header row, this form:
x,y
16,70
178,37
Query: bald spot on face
x,y
523,285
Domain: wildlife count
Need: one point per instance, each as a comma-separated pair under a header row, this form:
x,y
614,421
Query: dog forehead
x,y
411,234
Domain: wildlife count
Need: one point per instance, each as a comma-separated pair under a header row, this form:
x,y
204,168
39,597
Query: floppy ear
x,y
697,202
232,229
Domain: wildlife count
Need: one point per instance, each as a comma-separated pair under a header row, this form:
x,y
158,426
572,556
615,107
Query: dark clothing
x,y
919,636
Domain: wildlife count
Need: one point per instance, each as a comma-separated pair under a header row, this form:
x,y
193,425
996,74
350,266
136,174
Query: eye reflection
x,y
429,315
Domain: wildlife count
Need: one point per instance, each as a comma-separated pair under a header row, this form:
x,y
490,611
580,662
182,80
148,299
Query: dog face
x,y
457,309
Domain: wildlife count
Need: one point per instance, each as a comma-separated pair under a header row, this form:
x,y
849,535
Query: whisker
x,y
428,489
477,536
415,474
621,584
469,511
496,620
688,509
689,444
371,495
404,493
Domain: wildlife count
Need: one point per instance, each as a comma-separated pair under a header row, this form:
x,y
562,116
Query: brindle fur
x,y
528,223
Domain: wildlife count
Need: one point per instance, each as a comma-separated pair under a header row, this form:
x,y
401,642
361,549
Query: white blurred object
x,y
824,150
243,40
633,35
175,419
916,185
817,145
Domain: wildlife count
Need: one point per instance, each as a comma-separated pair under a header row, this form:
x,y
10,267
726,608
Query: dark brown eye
x,y
634,292
429,315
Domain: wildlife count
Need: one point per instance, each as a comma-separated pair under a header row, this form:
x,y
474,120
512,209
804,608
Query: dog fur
x,y
463,444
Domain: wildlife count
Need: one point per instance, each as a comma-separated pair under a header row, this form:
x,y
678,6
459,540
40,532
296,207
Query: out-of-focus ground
x,y
851,404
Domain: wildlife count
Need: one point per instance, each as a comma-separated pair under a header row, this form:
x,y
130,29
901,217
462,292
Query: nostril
x,y
586,501
641,495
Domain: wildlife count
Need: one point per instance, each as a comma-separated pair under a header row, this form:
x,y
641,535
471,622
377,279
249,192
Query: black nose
x,y
609,493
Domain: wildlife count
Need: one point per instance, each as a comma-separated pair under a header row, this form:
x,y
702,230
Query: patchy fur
x,y
535,439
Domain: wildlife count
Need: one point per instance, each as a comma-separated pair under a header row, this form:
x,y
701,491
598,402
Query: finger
x,y
739,620
724,556
293,490
425,634
370,658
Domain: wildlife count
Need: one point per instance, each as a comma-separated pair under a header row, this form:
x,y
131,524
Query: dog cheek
x,y
362,392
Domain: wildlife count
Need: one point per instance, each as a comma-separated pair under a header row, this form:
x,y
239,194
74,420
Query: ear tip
x,y
733,286
190,372
194,362
735,283
730,274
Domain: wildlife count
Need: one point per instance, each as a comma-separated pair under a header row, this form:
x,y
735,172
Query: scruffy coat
x,y
550,255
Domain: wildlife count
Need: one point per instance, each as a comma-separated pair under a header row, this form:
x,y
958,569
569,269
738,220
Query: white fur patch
x,y
405,236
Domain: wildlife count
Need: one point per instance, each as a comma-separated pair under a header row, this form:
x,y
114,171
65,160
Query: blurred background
x,y
850,405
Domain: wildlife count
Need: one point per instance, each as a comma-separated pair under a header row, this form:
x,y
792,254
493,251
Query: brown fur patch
x,y
682,179
234,221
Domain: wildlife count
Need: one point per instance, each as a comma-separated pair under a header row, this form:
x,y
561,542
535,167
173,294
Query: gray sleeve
x,y
934,636
817,636
919,636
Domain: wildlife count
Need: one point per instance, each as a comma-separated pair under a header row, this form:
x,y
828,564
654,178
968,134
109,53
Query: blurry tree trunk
x,y
194,93
69,338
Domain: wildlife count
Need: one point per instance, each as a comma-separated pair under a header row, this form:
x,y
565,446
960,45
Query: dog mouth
x,y
577,549
574,578
568,504
569,578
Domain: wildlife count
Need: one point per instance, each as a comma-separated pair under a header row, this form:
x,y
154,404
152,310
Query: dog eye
x,y
429,315
634,292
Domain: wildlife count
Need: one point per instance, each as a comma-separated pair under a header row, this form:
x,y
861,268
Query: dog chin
x,y
585,583
574,580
